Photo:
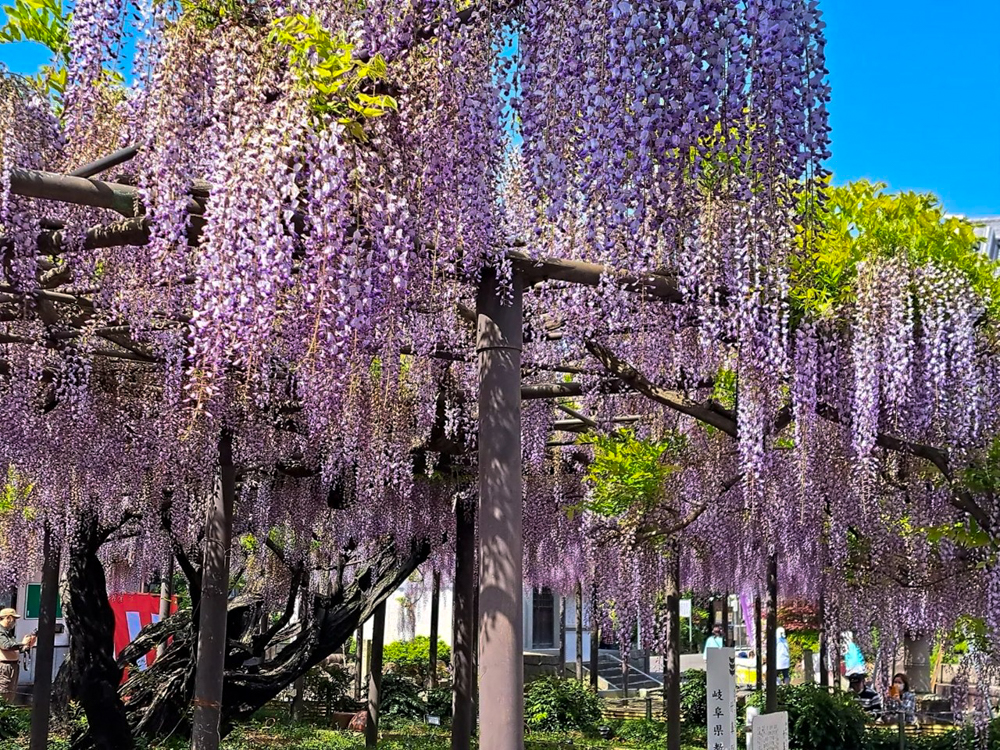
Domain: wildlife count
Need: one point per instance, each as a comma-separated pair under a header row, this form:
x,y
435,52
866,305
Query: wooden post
x,y
501,642
579,632
758,642
435,614
214,605
359,661
375,677
41,700
562,637
166,597
672,657
595,641
463,629
771,701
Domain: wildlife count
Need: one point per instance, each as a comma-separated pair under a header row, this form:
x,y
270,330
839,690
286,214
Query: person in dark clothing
x,y
10,654
870,701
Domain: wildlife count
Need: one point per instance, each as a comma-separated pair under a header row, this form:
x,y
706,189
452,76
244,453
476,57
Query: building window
x,y
543,619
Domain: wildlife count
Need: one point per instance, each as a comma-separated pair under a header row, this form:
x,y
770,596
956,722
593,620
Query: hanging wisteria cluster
x,y
293,251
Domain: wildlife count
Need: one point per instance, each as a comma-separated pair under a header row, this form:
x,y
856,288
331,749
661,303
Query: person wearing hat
x,y
10,654
870,700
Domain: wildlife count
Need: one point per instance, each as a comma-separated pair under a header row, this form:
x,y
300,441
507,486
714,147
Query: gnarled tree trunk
x,y
92,675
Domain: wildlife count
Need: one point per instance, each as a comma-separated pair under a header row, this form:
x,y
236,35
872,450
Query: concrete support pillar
x,y
41,700
501,664
463,627
375,677
771,700
214,605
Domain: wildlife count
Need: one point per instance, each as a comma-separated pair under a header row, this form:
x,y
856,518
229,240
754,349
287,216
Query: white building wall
x,y
28,625
396,621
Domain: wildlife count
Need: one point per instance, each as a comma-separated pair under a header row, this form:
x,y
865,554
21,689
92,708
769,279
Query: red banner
x,y
133,612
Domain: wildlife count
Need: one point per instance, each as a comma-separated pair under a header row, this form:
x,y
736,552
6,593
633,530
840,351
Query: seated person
x,y
870,701
900,701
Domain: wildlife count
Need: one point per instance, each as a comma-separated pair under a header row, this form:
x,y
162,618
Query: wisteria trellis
x,y
276,266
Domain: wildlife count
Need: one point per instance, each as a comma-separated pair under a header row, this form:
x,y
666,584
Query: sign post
x,y
721,665
770,731
684,606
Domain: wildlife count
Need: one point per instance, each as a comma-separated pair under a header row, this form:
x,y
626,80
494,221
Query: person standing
x,y
783,659
10,654
713,641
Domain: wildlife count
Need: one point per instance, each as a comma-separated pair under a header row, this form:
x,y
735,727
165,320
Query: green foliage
x,y
324,65
411,658
861,222
627,473
439,702
551,704
641,732
817,718
983,473
401,701
12,721
44,22
331,685
694,698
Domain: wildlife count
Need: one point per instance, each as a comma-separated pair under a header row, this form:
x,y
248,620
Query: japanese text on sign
x,y
721,665
770,731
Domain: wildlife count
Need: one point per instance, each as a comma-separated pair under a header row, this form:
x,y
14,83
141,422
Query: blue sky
x,y
916,96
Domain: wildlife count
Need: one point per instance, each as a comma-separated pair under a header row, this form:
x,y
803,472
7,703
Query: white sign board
x,y
770,731
721,665
685,608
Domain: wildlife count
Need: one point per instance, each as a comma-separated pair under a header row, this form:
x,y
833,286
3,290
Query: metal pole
x,y
166,597
595,640
725,620
375,676
579,631
435,615
824,647
41,700
771,701
359,661
214,604
758,643
463,625
562,637
501,643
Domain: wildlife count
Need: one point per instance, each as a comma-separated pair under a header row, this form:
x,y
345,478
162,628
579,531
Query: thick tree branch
x,y
674,399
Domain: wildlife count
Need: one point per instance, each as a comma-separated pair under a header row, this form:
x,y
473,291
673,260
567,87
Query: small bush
x,y
401,701
412,658
439,702
694,698
12,721
819,719
641,731
331,684
551,704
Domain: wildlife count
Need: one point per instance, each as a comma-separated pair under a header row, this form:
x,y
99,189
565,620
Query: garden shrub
x,y
694,698
11,721
439,702
551,704
819,719
331,684
401,701
412,658
641,731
